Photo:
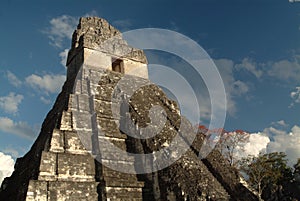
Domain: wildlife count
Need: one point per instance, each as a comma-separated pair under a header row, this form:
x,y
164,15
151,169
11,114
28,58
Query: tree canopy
x,y
270,176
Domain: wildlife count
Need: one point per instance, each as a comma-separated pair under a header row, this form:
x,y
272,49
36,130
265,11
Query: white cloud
x,y
233,87
274,131
239,88
281,123
47,83
254,144
20,128
273,139
250,66
257,143
285,70
63,57
45,100
61,28
7,166
225,67
11,151
12,78
283,141
11,103
295,95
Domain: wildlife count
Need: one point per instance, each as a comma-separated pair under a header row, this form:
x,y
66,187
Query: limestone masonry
x,y
70,161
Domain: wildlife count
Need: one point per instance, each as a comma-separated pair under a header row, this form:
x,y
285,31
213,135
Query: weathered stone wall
x,y
27,167
228,177
93,93
188,177
95,42
98,59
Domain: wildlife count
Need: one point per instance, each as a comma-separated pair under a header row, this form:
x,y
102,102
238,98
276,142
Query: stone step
x,y
120,143
110,182
107,172
108,154
62,190
123,194
109,127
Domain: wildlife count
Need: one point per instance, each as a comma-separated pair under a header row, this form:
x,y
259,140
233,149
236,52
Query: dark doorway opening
x,y
117,65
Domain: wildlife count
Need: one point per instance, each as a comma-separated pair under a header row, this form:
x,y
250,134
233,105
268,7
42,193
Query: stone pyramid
x,y
92,144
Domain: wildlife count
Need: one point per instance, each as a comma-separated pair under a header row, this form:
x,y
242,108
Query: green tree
x,y
297,169
295,185
268,174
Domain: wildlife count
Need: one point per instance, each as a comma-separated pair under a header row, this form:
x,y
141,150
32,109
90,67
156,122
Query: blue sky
x,y
254,43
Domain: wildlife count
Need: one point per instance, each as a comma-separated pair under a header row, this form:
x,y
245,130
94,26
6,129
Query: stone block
x,y
124,165
117,193
136,68
57,141
81,87
109,128
110,174
86,139
107,109
66,121
105,92
96,59
81,103
73,143
82,121
37,191
75,167
72,191
48,166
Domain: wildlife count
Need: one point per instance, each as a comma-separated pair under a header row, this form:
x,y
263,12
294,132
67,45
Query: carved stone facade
x,y
70,161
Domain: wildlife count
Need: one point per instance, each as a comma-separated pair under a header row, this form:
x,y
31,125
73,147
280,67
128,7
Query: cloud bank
x,y
20,128
13,79
273,139
295,95
61,28
284,141
47,83
10,103
6,167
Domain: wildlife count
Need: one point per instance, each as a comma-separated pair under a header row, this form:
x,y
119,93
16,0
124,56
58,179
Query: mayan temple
x,y
91,145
